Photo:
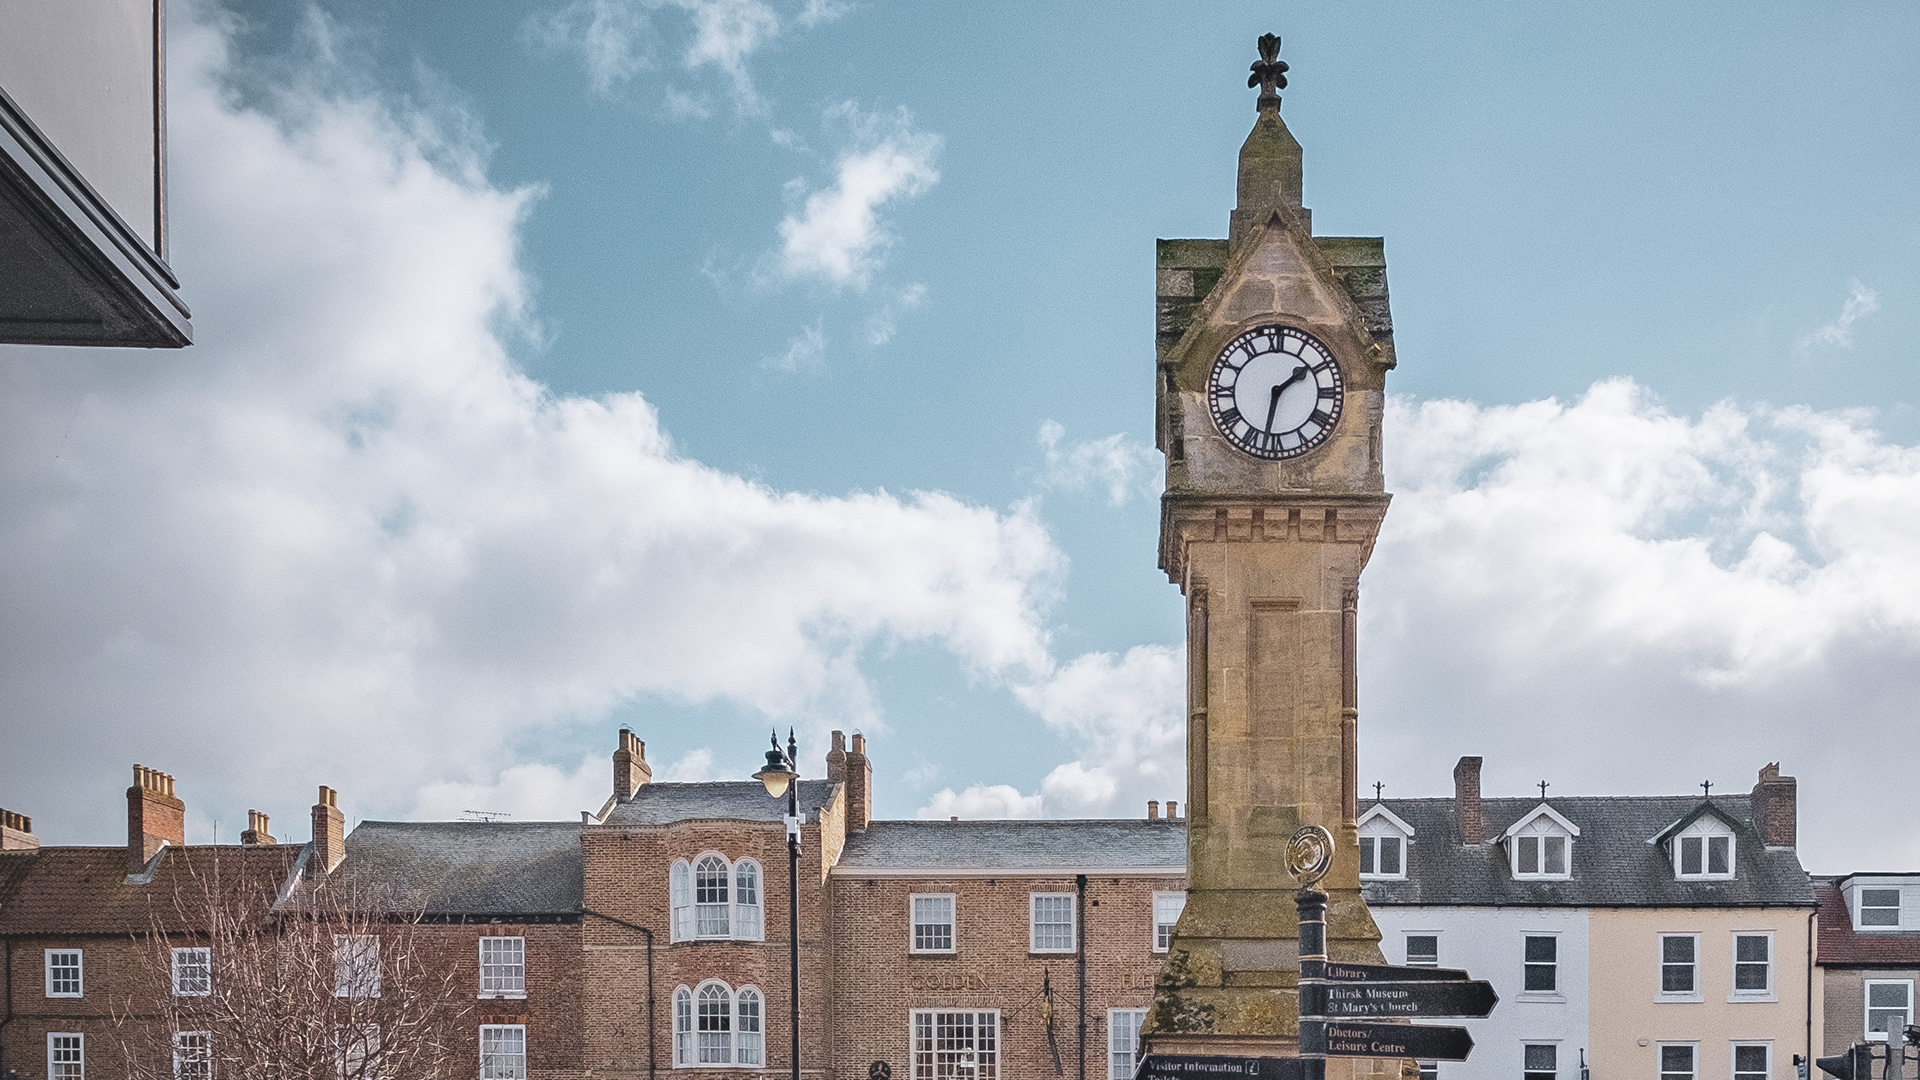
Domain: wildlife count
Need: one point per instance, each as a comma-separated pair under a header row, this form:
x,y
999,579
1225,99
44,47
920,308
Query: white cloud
x,y
693,767
982,801
804,349
1125,468
1838,334
531,790
617,39
884,323
1622,600
344,539
837,234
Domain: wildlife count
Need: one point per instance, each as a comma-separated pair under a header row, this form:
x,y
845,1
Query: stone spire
x,y
1270,158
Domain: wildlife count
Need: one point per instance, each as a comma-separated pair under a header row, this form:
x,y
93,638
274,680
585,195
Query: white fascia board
x,y
1528,818
1379,810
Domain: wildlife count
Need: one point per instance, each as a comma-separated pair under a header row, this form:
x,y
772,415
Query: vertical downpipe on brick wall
x,y
1080,961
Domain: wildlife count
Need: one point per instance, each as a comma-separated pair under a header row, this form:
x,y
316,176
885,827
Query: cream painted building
x,y
1629,938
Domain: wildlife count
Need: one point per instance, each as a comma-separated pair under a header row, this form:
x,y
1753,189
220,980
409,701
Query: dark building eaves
x,y
74,272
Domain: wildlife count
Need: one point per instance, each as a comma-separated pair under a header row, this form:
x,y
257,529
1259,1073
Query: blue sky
x,y
876,280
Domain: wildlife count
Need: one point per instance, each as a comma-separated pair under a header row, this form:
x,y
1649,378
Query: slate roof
x,y
84,890
477,869
1613,865
1841,946
1085,845
733,800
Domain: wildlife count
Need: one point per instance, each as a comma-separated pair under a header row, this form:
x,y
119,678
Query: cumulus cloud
x,y
1125,468
1618,599
1838,334
804,350
982,801
614,40
344,538
837,235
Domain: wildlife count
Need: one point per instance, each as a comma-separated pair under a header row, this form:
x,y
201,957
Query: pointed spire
x,y
1270,158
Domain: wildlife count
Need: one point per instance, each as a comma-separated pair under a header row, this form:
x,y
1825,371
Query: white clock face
x,y
1275,392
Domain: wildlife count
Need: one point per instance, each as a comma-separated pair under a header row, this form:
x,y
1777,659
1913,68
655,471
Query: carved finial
x,y
1706,789
1377,787
1543,790
1269,72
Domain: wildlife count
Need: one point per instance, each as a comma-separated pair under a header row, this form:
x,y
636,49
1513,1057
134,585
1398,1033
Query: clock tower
x,y
1273,348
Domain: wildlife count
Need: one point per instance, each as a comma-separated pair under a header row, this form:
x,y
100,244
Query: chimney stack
x,y
329,831
256,829
630,769
837,759
155,817
1776,807
16,832
1466,800
1173,810
1153,809
859,784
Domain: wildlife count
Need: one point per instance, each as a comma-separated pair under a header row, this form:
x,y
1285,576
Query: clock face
x,y
1275,392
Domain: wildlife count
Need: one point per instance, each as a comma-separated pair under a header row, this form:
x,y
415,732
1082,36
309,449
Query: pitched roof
x,y
1016,846
468,868
731,800
1613,864
1841,945
85,890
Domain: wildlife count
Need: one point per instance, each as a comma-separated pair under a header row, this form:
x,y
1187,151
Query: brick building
x,y
653,936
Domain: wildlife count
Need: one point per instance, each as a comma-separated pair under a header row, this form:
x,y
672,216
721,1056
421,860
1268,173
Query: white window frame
x,y
981,1017
1033,922
1162,927
353,976
749,916
1764,994
759,1030
1660,1064
79,966
680,896
1550,1044
713,910
1541,824
1867,1008
1406,950
700,1051
1661,964
1733,1058
1130,1023
746,921
185,1056
67,1070
683,1021
1859,907
914,924
1555,994
1706,830
513,985
510,1032
189,958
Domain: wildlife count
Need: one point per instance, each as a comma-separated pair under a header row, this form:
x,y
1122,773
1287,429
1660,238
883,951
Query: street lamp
x,y
782,776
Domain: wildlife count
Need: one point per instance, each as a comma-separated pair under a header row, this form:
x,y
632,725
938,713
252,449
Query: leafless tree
x,y
327,983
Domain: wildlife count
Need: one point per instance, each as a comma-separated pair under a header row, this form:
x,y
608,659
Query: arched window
x,y
710,915
683,1025
748,1039
714,1025
746,900
682,891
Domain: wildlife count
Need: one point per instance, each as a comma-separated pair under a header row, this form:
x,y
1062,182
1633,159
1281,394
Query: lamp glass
x,y
776,775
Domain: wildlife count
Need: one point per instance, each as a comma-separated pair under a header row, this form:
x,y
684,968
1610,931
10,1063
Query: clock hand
x,y
1274,404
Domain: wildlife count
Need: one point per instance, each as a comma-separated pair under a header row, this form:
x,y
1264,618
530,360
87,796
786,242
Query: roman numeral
x,y
1322,419
1328,393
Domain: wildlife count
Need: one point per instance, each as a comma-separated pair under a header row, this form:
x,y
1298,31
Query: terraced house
x,y
1658,938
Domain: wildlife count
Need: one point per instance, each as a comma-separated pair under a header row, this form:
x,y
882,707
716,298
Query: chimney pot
x,y
1173,810
1466,801
1153,810
155,817
256,833
955,817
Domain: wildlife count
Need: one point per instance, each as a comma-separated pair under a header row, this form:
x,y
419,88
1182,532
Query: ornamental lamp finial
x,y
1269,72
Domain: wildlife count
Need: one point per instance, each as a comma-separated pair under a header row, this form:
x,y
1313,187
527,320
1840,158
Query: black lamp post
x,y
782,776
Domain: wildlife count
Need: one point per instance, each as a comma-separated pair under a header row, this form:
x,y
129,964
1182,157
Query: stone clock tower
x,y
1273,347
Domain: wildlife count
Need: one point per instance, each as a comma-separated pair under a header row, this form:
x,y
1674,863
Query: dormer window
x,y
1703,851
1540,845
1383,845
1877,907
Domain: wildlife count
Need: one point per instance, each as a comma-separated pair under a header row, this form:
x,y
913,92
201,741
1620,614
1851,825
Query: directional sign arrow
x,y
1339,972
1343,1038
1208,1067
1470,998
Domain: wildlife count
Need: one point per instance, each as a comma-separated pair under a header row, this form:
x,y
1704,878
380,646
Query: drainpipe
x,y
9,1017
652,1025
1811,917
1080,961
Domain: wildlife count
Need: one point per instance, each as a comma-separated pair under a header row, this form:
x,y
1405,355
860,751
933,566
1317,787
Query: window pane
x,y
1749,1063
1390,855
1166,913
933,923
192,1055
683,1027
192,972
714,1026
1689,860
63,973
356,965
749,1040
1423,949
503,965
1541,949
1529,854
711,905
1541,973
1719,854
1879,907
955,1046
1123,1041
1676,950
1676,1063
1541,1061
66,1057
1366,854
1053,923
503,1052
1677,965
1556,856
1752,962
